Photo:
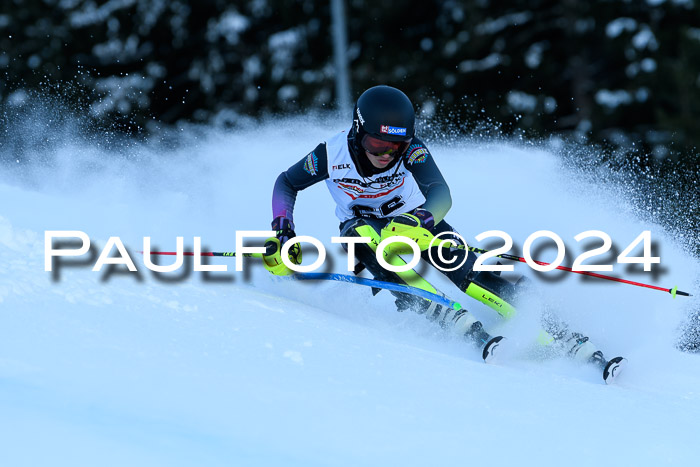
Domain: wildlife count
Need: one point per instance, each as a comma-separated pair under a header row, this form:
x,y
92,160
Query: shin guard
x,y
493,291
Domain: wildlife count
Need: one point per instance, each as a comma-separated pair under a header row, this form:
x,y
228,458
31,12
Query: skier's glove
x,y
427,221
272,259
284,229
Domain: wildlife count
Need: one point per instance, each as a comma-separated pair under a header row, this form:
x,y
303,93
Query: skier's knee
x,y
360,228
365,253
350,228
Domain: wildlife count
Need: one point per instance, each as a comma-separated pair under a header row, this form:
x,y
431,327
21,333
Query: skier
x,y
385,182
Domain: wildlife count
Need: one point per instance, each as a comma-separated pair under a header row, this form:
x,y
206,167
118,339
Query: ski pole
x,y
674,291
319,276
270,250
204,253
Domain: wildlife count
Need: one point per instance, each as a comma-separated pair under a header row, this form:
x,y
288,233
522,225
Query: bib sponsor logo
x,y
378,183
311,164
392,130
377,188
354,188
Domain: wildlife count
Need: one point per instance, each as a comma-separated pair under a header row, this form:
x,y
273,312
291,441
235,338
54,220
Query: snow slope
x,y
236,368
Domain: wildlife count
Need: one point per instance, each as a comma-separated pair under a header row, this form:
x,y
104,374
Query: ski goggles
x,y
380,147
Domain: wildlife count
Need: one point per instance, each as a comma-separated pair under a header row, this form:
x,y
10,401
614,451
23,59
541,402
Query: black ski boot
x,y
480,337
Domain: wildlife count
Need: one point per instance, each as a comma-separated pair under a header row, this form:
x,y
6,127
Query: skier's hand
x,y
284,230
427,221
272,258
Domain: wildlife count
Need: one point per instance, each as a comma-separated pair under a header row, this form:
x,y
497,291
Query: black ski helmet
x,y
384,113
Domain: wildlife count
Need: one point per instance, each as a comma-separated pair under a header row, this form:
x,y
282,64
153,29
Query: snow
x,y
497,25
620,25
521,101
645,39
490,61
91,14
230,26
533,56
237,368
612,99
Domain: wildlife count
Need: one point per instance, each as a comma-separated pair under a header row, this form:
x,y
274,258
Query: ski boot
x,y
491,343
611,368
584,351
464,324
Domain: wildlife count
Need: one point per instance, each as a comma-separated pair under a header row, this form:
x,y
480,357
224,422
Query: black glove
x,y
427,221
284,230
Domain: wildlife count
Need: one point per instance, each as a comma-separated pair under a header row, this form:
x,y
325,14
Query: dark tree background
x,y
613,71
